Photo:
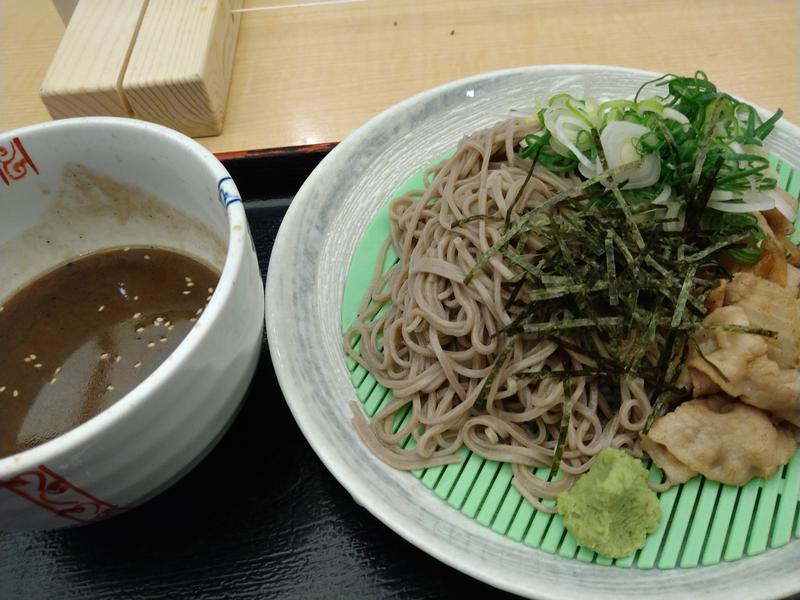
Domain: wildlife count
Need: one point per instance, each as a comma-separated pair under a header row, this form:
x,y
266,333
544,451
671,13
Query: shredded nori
x,y
608,270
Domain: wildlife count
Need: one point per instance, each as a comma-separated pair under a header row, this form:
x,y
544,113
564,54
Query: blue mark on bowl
x,y
227,192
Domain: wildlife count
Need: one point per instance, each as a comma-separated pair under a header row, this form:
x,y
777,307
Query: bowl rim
x,y
293,395
65,444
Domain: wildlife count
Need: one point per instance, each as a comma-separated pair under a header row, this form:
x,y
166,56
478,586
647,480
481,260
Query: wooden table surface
x,y
313,74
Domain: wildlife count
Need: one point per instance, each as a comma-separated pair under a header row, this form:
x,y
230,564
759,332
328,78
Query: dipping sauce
x,y
80,337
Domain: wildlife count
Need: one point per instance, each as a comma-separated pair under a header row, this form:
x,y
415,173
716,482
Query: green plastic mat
x,y
703,522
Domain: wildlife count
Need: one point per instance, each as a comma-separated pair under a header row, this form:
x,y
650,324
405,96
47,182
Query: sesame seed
x,y
27,359
208,299
110,388
137,315
186,292
58,370
15,393
135,298
171,327
33,357
139,329
187,279
167,324
2,389
2,308
151,345
126,249
37,366
199,311
210,290
137,365
162,339
190,284
159,320
101,308
193,319
118,358
147,257
53,380
104,356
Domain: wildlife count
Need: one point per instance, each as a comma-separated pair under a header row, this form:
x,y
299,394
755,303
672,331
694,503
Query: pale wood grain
x,y
315,74
85,75
179,72
29,35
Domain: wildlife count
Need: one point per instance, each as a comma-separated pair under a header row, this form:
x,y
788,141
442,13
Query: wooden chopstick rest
x,y
85,75
166,61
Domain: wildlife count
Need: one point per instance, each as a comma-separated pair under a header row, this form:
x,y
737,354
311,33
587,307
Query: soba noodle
x,y
435,343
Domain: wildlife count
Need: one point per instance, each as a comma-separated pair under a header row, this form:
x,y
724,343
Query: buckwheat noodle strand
x,y
436,342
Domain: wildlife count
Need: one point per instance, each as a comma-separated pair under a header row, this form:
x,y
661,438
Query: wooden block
x,y
180,68
85,76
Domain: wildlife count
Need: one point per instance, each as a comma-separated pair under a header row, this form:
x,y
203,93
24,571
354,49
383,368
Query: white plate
x,y
305,283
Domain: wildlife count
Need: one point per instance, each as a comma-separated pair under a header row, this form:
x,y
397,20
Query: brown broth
x,y
79,338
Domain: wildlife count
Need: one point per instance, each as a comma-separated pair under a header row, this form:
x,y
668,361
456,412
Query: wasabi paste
x,y
611,509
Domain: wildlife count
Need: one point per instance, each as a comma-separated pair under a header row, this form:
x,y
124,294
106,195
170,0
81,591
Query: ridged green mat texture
x,y
703,522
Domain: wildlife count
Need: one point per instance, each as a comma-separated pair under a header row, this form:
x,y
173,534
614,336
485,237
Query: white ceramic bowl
x,y
305,283
145,185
